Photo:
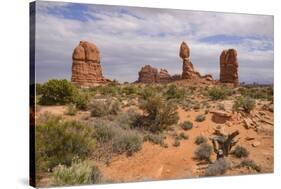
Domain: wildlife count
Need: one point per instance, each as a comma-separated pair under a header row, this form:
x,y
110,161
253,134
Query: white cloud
x,y
129,38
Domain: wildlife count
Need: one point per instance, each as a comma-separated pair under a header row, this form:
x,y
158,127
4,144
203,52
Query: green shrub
x,y
127,119
218,93
203,152
78,173
200,139
59,141
57,92
247,104
175,92
130,90
200,118
257,92
250,164
147,92
105,131
71,110
155,139
81,101
158,115
128,141
240,151
100,108
38,88
187,125
182,135
122,140
218,168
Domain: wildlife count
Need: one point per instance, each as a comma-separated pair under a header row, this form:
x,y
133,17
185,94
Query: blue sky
x,y
131,37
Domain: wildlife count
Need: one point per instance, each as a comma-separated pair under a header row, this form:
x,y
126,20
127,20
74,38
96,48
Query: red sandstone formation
x,y
148,74
229,67
188,71
86,68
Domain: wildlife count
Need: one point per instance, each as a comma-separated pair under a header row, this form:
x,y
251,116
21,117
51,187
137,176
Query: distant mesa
x,y
149,74
86,67
229,67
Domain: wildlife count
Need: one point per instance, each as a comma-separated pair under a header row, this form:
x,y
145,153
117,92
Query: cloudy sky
x,y
130,37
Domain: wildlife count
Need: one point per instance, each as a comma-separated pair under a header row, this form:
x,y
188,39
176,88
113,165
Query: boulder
x,y
86,68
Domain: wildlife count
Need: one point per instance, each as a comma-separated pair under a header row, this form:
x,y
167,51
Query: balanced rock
x,y
188,71
229,66
86,68
187,66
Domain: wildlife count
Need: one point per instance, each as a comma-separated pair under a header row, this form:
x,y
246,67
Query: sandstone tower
x,y
86,68
229,67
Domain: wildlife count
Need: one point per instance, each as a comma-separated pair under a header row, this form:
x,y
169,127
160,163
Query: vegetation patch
x,y
200,139
78,173
219,167
240,152
203,152
200,118
244,103
187,125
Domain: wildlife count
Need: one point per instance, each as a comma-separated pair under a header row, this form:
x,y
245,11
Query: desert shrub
x,y
257,92
200,139
81,101
57,92
130,90
174,92
155,138
203,152
176,143
100,108
218,93
219,167
187,125
38,88
105,131
127,119
158,115
78,173
128,141
245,103
200,118
250,164
71,110
109,90
182,135
148,91
240,151
59,141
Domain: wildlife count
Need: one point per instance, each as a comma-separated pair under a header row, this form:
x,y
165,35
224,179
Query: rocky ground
x,y
154,162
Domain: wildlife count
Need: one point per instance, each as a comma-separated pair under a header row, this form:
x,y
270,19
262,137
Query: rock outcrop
x,y
149,74
188,71
229,67
86,67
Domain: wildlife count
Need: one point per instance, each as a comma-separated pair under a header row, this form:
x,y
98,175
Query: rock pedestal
x,y
229,67
86,68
